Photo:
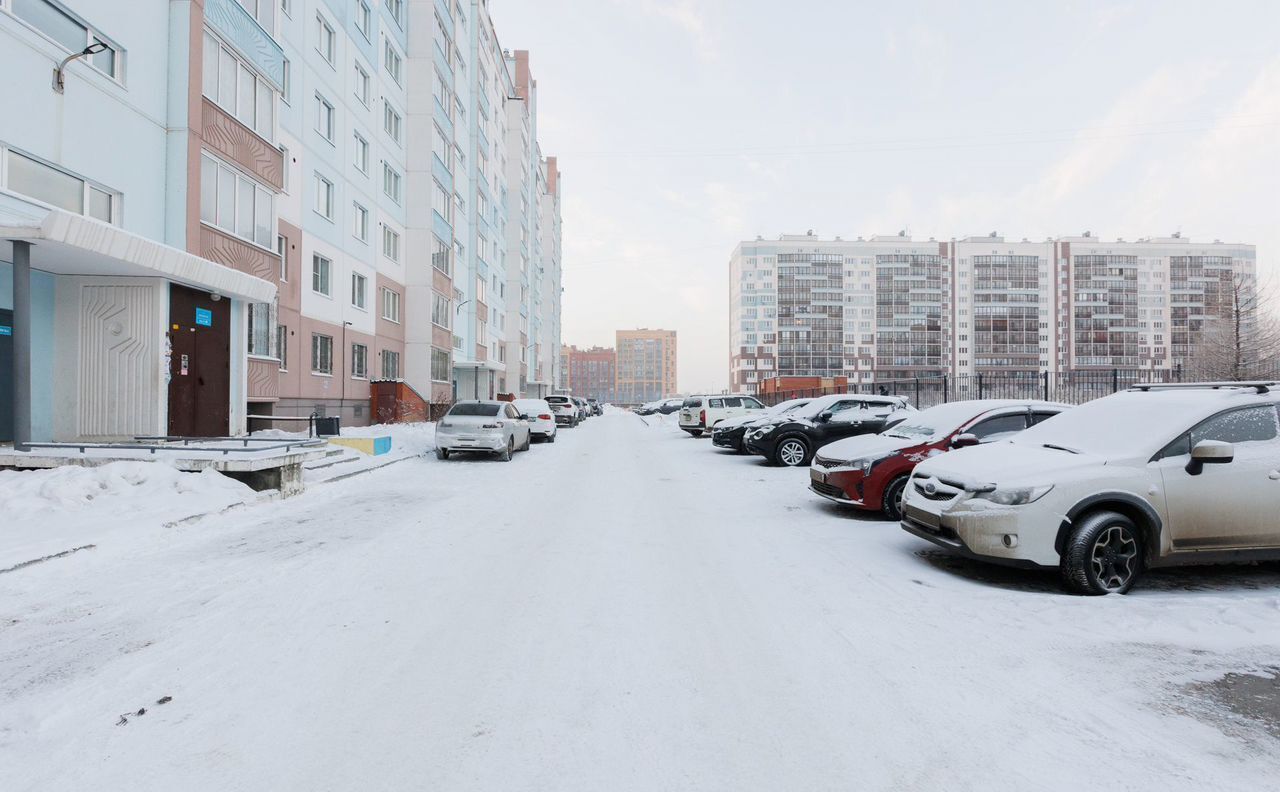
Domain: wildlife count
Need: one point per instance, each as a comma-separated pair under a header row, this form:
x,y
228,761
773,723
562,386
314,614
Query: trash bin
x,y
327,426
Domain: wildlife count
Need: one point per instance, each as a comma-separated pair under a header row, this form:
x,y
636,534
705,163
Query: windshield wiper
x,y
1060,448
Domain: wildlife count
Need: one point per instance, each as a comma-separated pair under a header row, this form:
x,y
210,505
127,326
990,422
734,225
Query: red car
x,y
871,471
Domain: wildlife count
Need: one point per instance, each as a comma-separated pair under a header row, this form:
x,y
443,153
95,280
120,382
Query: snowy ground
x,y
626,609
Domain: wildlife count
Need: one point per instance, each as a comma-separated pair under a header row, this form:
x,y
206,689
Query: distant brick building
x,y
646,365
591,373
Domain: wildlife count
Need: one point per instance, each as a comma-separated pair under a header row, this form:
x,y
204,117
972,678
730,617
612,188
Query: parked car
x,y
669,406
648,408
596,409
871,471
700,414
791,439
1153,476
731,432
584,410
542,420
492,427
564,409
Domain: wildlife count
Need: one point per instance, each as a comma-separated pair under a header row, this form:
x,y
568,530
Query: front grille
x,y
937,495
823,462
829,490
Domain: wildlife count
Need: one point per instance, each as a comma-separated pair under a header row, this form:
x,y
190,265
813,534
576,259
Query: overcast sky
x,y
686,126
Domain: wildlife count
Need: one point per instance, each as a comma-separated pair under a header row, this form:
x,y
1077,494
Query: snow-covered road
x,y
624,610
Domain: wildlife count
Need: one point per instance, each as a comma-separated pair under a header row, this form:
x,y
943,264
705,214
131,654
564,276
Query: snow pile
x,y
132,486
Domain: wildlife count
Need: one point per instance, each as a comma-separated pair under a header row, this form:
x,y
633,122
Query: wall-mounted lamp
x,y
58,81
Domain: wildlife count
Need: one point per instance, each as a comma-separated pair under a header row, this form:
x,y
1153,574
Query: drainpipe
x,y
21,345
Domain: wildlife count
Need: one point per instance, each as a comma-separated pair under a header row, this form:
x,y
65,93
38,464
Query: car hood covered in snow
x,y
741,420
863,446
1005,463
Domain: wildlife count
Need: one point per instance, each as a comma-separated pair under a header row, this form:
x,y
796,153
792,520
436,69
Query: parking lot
x,y
628,608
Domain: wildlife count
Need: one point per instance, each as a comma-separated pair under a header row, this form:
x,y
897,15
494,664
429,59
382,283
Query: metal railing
x,y
1068,387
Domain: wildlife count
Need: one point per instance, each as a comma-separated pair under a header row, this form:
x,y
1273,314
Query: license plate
x,y
817,476
923,517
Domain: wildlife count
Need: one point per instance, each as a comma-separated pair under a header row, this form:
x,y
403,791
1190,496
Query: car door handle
x,y
1274,475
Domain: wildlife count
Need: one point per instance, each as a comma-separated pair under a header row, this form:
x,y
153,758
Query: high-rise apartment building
x,y
317,198
646,365
890,307
592,373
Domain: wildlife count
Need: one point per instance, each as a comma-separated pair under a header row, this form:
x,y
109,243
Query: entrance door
x,y
199,364
6,375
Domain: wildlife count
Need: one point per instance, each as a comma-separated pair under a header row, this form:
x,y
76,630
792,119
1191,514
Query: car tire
x,y
694,432
442,453
528,441
891,501
551,438
505,454
1103,555
791,452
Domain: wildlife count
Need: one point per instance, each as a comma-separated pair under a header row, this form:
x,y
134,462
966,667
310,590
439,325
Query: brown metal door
x,y
199,364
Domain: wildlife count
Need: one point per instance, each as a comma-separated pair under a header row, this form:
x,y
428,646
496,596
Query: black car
x,y
669,406
791,439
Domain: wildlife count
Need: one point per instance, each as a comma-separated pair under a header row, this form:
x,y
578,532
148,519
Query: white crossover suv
x,y
1157,475
495,427
700,414
542,421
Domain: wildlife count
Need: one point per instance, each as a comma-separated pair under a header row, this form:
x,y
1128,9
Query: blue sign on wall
x,y
5,330
204,317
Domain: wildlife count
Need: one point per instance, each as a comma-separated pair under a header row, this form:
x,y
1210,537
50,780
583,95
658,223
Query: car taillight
x,y
497,425
544,417
702,417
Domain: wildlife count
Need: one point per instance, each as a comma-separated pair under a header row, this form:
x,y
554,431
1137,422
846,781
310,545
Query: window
x,y
391,182
359,361
324,118
286,82
320,269
262,327
480,290
391,305
282,250
235,203
391,121
396,7
391,244
1247,425
362,85
233,85
59,188
440,255
321,354
359,285
282,346
361,153
264,11
325,39
439,365
999,427
284,169
324,196
364,18
391,60
441,310
287,7
360,222
390,364
74,35
442,202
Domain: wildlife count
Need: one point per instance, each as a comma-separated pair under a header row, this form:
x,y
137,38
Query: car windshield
x,y
1122,424
557,399
529,406
693,401
474,409
935,423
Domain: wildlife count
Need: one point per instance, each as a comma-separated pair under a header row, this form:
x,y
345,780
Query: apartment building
x,y
889,307
547,331
592,373
646,367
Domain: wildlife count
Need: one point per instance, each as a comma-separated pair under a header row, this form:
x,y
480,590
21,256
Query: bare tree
x,y
1240,335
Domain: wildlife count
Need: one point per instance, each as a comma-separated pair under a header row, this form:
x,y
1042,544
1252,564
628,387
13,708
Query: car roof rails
x,y
1259,386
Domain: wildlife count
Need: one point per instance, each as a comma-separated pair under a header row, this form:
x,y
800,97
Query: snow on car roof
x,y
1133,422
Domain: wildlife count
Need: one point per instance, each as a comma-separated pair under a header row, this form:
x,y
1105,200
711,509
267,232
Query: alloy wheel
x,y
791,453
1114,557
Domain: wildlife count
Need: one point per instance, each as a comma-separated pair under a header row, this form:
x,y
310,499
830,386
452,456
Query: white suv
x,y
700,414
1157,475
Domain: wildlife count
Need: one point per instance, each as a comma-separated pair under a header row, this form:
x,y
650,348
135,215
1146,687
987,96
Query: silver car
x,y
492,427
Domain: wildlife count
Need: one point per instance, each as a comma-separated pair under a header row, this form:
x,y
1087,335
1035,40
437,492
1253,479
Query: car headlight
x,y
766,429
863,464
1015,496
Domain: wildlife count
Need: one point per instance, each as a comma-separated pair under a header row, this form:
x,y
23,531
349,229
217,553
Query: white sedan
x,y
493,427
542,421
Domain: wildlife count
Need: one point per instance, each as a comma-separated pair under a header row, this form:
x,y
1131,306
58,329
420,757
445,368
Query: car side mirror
x,y
823,417
524,417
1210,452
964,440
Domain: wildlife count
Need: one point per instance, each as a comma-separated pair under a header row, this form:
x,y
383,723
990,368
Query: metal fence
x,y
1069,387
